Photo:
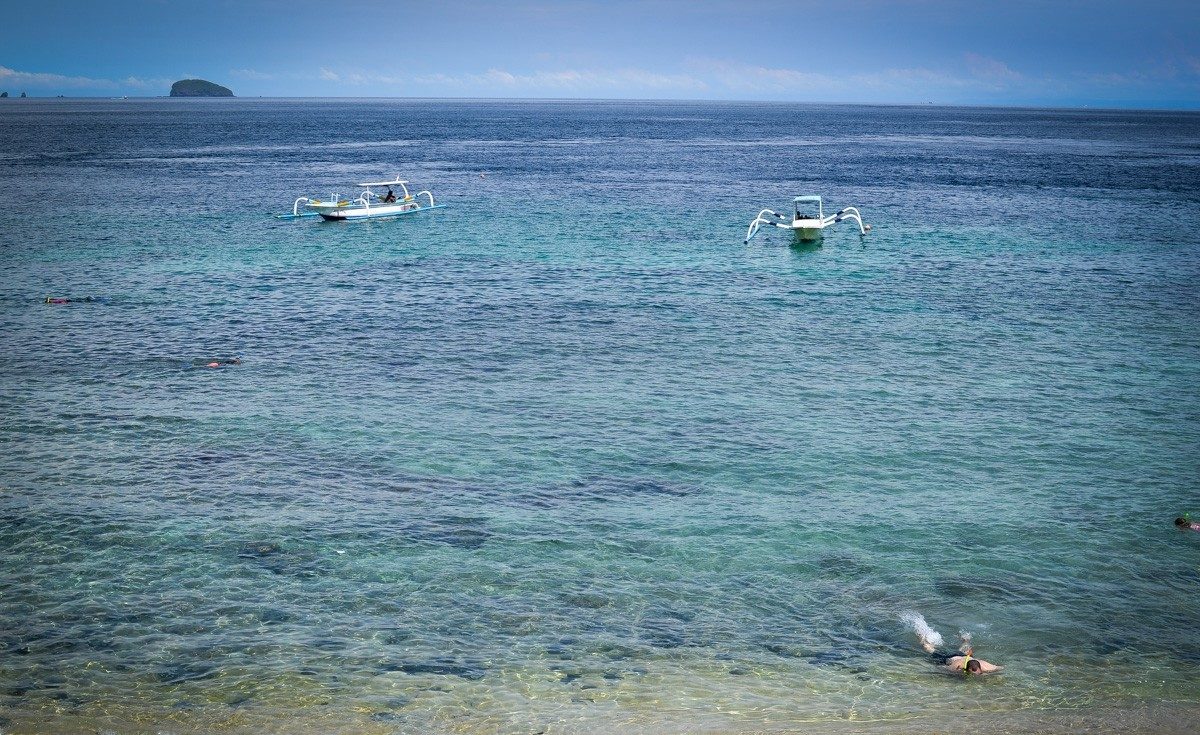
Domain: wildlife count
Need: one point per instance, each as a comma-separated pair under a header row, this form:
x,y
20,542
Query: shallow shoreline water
x,y
1127,720
566,455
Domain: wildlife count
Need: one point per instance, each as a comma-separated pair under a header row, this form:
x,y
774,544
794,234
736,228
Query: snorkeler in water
x,y
1185,523
65,300
962,661
201,362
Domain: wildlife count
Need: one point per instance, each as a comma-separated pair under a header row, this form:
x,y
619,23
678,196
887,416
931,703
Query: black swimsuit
x,y
942,658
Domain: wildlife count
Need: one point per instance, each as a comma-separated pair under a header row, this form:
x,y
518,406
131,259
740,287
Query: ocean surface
x,y
567,456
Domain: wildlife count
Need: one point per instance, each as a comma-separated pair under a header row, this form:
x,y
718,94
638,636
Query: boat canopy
x,y
385,183
807,198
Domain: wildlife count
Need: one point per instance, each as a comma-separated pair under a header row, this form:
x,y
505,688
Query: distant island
x,y
199,88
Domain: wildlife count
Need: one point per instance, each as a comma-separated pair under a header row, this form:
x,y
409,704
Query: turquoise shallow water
x,y
567,456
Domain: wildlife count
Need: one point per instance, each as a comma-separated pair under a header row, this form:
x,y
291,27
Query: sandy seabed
x,y
1157,718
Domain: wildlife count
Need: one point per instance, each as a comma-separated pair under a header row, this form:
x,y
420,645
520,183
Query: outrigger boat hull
x,y
334,213
808,230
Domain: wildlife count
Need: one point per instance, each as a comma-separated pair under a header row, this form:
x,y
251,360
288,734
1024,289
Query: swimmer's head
x,y
1182,522
973,666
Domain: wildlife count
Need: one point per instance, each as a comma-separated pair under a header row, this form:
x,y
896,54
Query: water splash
x,y
930,638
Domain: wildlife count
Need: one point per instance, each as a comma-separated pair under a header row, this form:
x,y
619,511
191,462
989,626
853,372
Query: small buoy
x,y
867,228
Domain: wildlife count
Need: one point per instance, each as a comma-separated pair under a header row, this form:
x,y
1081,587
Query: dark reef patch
x,y
604,489
463,532
259,549
274,558
439,667
185,672
994,590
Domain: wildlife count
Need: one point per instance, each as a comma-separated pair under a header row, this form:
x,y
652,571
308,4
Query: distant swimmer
x,y
1184,523
66,300
208,363
962,661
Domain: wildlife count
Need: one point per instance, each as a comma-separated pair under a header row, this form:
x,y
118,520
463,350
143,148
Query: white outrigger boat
x,y
368,205
806,225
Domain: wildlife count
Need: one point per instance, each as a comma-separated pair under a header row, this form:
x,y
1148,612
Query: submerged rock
x,y
275,615
586,600
384,716
662,633
601,488
180,673
467,671
604,489
987,589
258,549
463,532
275,559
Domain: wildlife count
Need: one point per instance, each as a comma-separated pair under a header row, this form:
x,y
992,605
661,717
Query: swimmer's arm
x,y
987,668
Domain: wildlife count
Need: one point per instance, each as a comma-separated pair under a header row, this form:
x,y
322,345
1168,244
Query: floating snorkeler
x,y
1185,523
67,300
962,661
215,363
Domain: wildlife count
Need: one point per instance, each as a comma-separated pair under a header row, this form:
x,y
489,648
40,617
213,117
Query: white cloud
x,y
1115,79
992,71
703,77
916,79
251,74
139,83
38,80
974,78
747,78
594,81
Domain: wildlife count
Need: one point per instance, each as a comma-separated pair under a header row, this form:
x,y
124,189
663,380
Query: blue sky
x,y
1071,52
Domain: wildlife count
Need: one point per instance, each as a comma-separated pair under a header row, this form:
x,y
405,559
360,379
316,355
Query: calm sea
x,y
567,456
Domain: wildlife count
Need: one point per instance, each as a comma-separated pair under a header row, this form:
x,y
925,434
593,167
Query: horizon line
x,y
977,105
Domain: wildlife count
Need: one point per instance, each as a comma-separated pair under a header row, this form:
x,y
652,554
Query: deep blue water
x,y
567,456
